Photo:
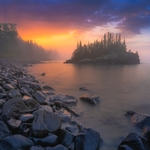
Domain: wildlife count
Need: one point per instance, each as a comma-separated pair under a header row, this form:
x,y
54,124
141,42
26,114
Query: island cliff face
x,y
110,50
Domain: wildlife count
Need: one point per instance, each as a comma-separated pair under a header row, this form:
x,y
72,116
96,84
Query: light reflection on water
x,y
121,88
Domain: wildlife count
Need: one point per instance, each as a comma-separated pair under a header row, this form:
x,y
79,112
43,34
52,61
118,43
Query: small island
x,y
110,50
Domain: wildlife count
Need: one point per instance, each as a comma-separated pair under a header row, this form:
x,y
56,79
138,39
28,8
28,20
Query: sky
x,y
59,24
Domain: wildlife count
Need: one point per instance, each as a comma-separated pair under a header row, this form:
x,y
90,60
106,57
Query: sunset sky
x,y
59,24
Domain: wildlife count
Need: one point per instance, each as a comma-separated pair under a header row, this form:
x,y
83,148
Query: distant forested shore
x,y
13,47
110,50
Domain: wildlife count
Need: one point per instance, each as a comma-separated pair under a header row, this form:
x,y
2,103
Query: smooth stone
x,y
58,147
87,139
2,90
13,93
16,142
2,101
65,137
26,98
50,140
2,95
70,128
33,85
46,108
46,87
14,107
64,98
26,117
43,74
93,99
13,123
39,96
4,131
135,142
7,87
45,122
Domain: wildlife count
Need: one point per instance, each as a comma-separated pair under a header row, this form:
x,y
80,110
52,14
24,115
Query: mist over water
x,y
121,88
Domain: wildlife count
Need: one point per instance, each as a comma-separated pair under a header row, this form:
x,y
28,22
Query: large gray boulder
x,y
14,107
45,122
13,93
16,142
87,139
39,96
33,85
134,142
4,131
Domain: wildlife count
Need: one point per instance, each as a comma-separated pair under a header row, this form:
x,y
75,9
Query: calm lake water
x,y
121,88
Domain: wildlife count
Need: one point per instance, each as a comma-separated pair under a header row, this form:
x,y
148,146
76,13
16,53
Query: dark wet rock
x,y
70,128
65,137
93,99
83,89
16,142
4,131
50,140
43,74
139,120
146,133
25,129
13,123
36,148
46,108
64,98
39,96
87,139
58,147
7,87
46,87
134,142
33,85
14,107
64,117
2,90
2,95
26,117
13,93
45,122
32,104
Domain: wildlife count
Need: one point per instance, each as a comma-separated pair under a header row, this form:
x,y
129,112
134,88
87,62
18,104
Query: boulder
x,y
26,117
2,90
7,87
46,87
45,122
65,137
36,148
87,139
63,98
39,96
43,74
4,131
2,101
83,89
13,123
16,142
134,142
13,93
139,120
33,85
2,95
14,107
50,140
93,99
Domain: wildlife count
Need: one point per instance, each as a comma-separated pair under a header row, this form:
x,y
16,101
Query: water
x,y
121,88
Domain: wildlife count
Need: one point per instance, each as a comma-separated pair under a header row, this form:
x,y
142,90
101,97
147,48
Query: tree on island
x,y
13,47
110,50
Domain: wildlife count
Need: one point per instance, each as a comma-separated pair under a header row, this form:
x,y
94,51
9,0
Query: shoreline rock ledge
x,y
34,119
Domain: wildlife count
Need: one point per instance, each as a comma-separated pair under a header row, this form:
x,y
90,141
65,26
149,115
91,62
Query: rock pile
x,y
34,119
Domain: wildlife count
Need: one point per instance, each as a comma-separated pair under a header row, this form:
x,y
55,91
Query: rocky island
x,y
110,50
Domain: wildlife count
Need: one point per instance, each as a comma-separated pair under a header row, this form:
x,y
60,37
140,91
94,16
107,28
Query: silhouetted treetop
x,y
110,49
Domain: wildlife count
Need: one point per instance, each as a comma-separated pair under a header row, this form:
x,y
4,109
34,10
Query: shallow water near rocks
x,y
121,88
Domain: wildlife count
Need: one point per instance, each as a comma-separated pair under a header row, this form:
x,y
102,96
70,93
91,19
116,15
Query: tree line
x,y
110,44
14,47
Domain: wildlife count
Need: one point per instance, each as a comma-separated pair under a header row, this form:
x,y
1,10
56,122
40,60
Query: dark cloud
x,y
131,15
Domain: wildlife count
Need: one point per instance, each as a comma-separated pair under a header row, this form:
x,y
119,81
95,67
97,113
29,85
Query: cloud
x,y
130,16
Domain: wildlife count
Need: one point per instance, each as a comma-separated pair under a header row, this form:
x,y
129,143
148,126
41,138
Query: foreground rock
x,y
134,142
93,99
32,119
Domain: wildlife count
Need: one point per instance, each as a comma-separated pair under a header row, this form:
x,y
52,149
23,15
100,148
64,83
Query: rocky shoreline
x,y
35,118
